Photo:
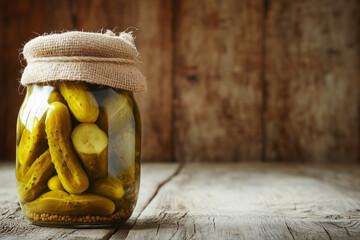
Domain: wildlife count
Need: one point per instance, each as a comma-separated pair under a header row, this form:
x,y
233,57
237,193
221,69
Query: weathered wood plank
x,y
7,182
312,67
13,225
122,233
153,40
174,226
22,20
217,82
255,201
213,201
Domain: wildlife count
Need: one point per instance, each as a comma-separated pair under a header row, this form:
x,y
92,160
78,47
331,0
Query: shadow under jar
x,y
78,154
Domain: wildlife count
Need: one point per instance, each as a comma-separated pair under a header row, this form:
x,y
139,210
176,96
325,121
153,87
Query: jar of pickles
x,y
79,130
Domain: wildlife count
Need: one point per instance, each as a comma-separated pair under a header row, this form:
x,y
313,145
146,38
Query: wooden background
x,y
233,80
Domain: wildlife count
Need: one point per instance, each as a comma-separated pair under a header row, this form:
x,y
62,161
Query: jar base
x,y
66,221
78,226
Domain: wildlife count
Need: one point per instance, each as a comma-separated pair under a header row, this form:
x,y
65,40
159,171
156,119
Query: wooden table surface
x,y
219,201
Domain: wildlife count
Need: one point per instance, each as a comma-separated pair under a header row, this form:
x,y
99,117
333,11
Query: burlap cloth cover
x,y
104,59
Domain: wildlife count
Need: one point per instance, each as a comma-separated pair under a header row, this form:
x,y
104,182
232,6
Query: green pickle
x,y
83,172
35,179
55,184
63,203
58,129
81,102
32,144
108,186
116,110
90,143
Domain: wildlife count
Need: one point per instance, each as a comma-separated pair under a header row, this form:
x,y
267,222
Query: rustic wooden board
x,y
22,20
220,201
312,67
13,225
217,80
257,201
151,23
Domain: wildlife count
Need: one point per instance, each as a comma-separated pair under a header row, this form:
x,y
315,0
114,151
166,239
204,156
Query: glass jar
x,y
78,154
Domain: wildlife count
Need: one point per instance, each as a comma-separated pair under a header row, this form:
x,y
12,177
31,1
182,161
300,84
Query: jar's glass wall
x,y
78,154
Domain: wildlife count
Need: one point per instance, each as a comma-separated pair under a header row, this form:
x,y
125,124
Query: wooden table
x,y
219,201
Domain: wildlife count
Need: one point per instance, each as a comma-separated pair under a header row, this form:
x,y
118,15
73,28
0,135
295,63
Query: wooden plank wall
x,y
21,21
312,79
248,80
217,80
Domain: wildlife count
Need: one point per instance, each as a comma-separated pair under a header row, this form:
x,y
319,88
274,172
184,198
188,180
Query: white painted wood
x,y
13,224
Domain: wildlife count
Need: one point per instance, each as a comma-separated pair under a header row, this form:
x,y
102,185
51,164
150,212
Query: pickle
x,y
116,111
32,144
20,125
19,130
35,179
60,202
55,184
90,143
126,205
102,120
109,186
58,129
128,176
56,97
137,127
122,150
81,102
128,202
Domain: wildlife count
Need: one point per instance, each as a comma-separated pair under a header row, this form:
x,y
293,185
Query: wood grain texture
x,y
312,67
255,201
151,18
13,225
235,81
220,201
217,81
151,23
21,21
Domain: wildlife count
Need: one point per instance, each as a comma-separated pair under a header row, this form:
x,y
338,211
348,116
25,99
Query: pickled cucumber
x,y
35,179
19,130
126,205
55,184
81,102
122,148
58,129
128,201
90,143
56,97
60,202
128,176
116,111
20,125
33,108
102,120
32,144
109,186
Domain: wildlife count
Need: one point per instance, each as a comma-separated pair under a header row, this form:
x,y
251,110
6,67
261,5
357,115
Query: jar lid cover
x,y
105,59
